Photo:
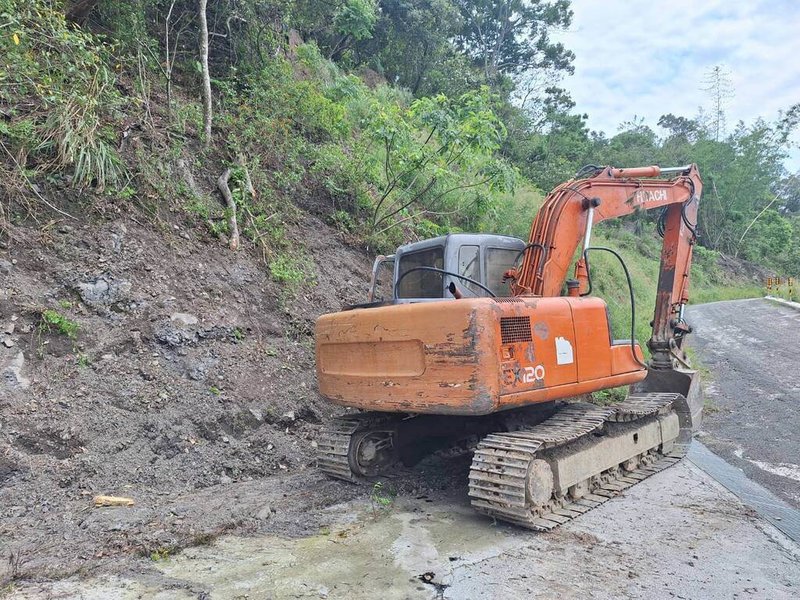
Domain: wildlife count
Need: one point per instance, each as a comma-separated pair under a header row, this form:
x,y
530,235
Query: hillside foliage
x,y
394,119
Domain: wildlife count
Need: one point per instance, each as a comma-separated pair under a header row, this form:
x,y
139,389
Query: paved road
x,y
752,350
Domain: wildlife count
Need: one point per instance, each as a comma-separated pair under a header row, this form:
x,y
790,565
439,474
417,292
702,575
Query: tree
x,y
789,194
720,90
353,21
559,143
207,114
513,36
680,128
434,174
412,41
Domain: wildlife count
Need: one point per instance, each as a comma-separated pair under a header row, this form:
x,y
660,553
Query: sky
x,y
649,58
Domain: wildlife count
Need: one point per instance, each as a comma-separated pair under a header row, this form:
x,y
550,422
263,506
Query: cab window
x,y
421,284
469,265
382,281
498,261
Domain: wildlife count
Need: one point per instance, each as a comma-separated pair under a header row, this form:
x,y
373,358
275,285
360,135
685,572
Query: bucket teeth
x,y
498,476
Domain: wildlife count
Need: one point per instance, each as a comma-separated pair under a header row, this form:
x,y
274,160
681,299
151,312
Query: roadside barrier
x,y
774,286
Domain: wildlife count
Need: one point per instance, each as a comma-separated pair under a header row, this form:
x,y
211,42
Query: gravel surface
x,y
191,371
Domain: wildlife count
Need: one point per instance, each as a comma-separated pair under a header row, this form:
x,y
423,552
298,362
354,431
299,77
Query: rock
x,y
225,480
12,373
168,333
265,513
5,267
184,319
103,291
197,373
8,342
288,416
257,414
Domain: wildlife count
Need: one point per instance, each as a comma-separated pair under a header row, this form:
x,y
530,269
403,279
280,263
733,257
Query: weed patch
x,y
54,321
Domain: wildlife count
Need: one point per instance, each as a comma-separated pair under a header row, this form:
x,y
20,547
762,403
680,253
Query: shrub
x,y
61,92
53,320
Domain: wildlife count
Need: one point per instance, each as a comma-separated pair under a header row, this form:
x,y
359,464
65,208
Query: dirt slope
x,y
190,369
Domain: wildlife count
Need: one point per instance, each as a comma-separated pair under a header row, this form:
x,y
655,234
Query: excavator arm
x,y
565,222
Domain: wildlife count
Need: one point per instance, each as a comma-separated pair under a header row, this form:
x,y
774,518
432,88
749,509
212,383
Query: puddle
x,y
403,551
633,546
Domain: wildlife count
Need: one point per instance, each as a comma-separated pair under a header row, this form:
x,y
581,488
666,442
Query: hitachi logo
x,y
645,196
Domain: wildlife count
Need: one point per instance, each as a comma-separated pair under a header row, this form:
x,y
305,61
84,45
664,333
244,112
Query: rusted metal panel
x,y
458,374
449,357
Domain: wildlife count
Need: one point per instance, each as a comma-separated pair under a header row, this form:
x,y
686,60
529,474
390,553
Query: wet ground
x,y
752,420
678,534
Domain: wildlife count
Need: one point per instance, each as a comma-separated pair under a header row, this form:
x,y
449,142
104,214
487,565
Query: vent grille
x,y
507,300
515,329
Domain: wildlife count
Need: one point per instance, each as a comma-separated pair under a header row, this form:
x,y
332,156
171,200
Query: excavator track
x,y
337,447
524,476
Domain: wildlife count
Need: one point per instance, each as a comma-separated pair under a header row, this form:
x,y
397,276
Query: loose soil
x,y
191,377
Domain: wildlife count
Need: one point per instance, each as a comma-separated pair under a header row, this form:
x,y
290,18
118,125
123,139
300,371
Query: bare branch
x,y
222,185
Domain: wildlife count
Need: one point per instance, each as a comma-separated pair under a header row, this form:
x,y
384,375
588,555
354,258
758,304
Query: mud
x,y
678,534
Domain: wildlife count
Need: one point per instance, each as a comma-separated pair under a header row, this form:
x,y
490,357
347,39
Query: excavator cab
x,y
447,267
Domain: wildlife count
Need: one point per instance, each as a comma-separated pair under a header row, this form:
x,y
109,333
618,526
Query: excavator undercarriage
x,y
537,467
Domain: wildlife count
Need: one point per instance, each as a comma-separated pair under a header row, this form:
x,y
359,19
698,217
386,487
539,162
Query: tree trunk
x,y
77,10
206,75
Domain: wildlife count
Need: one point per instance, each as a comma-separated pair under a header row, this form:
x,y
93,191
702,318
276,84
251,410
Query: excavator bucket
x,y
685,382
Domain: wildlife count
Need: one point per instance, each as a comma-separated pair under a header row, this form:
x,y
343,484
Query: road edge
x,y
769,507
789,303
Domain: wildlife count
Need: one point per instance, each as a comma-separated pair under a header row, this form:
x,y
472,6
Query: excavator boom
x,y
569,212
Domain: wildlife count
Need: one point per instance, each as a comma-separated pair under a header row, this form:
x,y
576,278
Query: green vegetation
x,y
391,120
380,496
290,270
60,81
54,321
610,396
161,554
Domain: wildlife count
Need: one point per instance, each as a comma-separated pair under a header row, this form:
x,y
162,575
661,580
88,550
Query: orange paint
x,y
474,356
480,355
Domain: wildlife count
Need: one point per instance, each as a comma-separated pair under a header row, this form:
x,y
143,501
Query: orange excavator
x,y
484,338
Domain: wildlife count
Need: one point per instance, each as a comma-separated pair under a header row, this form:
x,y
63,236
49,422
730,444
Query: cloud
x,y
648,59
